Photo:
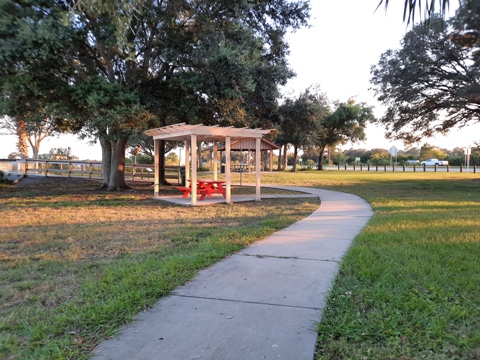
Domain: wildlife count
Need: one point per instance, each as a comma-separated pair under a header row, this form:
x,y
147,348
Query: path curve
x,y
260,303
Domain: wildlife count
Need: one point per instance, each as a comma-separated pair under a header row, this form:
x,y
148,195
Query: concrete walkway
x,y
261,303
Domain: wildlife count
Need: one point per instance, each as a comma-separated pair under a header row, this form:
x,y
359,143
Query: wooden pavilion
x,y
192,134
248,145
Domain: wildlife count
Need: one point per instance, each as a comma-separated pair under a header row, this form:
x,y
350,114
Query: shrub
x,y
3,179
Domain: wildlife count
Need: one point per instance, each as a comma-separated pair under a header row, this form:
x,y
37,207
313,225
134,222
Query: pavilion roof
x,y
204,133
248,144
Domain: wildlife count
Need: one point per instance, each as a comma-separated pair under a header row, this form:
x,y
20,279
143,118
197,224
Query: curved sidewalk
x,y
260,303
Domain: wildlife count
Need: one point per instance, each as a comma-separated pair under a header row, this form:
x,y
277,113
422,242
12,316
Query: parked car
x,y
434,162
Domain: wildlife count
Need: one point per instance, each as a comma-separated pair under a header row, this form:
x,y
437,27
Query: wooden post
x,y
215,161
194,169
257,169
435,167
271,159
46,168
187,161
69,169
156,167
461,168
228,178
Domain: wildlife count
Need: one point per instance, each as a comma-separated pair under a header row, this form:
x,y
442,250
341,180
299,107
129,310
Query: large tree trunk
x,y
22,134
106,160
161,167
117,168
320,158
36,150
295,152
199,155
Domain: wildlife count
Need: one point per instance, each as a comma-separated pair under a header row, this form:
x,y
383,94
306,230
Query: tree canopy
x,y
33,78
125,66
309,123
346,123
300,117
431,84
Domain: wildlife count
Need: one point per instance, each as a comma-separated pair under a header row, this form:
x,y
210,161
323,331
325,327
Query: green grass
x,y
409,287
77,263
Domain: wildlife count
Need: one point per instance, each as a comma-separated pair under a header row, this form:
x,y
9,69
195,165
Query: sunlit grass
x,y
409,287
76,263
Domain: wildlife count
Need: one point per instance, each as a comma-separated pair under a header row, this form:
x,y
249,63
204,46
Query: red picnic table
x,y
205,188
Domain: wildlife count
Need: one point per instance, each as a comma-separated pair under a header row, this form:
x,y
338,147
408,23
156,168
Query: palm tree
x,y
411,5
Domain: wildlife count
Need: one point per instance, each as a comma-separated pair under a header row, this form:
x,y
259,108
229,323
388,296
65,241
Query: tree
x,y
146,144
33,79
299,119
431,84
346,123
380,157
338,157
430,9
61,154
28,132
363,154
172,159
20,129
428,151
140,64
188,61
14,155
114,113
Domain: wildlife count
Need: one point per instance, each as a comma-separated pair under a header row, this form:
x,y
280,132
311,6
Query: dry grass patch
x,y
76,262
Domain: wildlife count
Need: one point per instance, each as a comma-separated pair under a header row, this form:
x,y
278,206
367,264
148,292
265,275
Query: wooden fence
x,y
404,168
85,169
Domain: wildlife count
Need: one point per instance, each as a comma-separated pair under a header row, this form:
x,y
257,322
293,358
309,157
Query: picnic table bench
x,y
205,188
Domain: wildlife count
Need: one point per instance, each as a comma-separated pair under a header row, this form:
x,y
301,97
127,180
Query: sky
x,y
345,39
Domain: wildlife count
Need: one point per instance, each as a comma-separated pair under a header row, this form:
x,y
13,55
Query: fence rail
x,y
85,169
404,168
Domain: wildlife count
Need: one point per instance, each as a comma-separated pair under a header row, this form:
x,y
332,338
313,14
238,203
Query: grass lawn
x,y
409,288
75,263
